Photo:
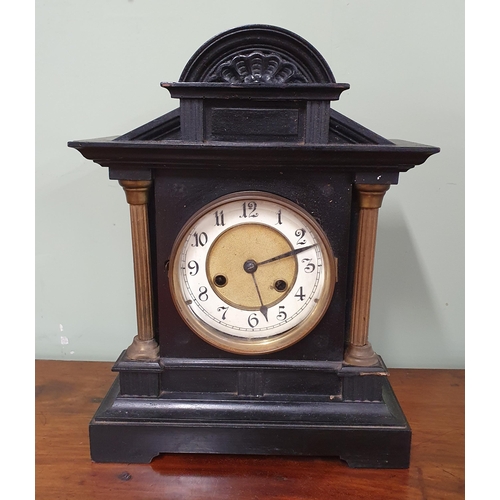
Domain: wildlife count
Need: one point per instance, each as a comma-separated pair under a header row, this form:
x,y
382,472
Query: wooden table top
x,y
69,392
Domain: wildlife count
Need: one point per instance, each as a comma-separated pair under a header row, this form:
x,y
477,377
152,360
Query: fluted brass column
x,y
359,351
144,346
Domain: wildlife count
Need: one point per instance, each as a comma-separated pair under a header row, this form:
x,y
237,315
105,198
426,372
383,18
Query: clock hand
x,y
287,254
263,308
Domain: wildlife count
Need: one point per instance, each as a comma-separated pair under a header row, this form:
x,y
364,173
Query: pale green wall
x,y
99,65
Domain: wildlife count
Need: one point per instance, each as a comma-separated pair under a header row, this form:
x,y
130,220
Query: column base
x,y
143,349
363,355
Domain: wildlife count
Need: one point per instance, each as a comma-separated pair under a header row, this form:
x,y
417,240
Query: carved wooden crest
x,y
258,67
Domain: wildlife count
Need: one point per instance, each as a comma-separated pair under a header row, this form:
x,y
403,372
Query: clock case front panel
x,y
178,194
277,137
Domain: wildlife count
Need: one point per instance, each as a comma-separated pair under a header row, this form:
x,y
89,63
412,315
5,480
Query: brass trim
x,y
144,346
143,350
359,351
371,195
360,355
137,192
261,345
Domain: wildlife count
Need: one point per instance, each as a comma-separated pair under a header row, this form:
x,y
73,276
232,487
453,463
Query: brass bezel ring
x,y
238,345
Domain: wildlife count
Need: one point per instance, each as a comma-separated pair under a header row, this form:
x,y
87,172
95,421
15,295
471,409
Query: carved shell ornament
x,y
258,68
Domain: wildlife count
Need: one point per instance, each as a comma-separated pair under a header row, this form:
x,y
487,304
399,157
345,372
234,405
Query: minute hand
x,y
287,254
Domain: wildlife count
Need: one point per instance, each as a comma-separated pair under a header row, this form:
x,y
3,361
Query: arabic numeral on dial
x,y
310,267
300,294
249,210
300,235
219,218
200,240
279,218
203,293
253,320
193,267
282,314
224,311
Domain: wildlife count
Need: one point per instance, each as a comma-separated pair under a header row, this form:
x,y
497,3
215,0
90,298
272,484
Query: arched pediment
x,y
257,54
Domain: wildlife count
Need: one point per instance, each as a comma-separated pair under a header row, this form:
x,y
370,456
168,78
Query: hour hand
x,y
286,254
263,308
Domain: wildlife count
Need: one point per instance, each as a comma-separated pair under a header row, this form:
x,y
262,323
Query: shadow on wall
x,y
405,325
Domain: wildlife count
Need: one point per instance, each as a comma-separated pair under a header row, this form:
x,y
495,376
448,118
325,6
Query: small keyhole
x,y
220,280
280,285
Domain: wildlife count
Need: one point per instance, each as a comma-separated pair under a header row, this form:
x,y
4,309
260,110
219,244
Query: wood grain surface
x,y
69,392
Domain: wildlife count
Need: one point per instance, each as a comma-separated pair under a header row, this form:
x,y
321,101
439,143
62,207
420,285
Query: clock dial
x,y
252,273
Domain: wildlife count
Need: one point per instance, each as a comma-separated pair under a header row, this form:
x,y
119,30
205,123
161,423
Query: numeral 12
x,y
251,206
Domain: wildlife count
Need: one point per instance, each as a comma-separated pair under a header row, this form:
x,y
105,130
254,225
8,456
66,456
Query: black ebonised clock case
x,y
239,127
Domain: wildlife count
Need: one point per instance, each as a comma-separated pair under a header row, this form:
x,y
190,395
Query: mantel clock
x,y
254,211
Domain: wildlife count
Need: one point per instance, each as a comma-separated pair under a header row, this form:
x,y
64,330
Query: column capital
x,y
137,192
371,195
